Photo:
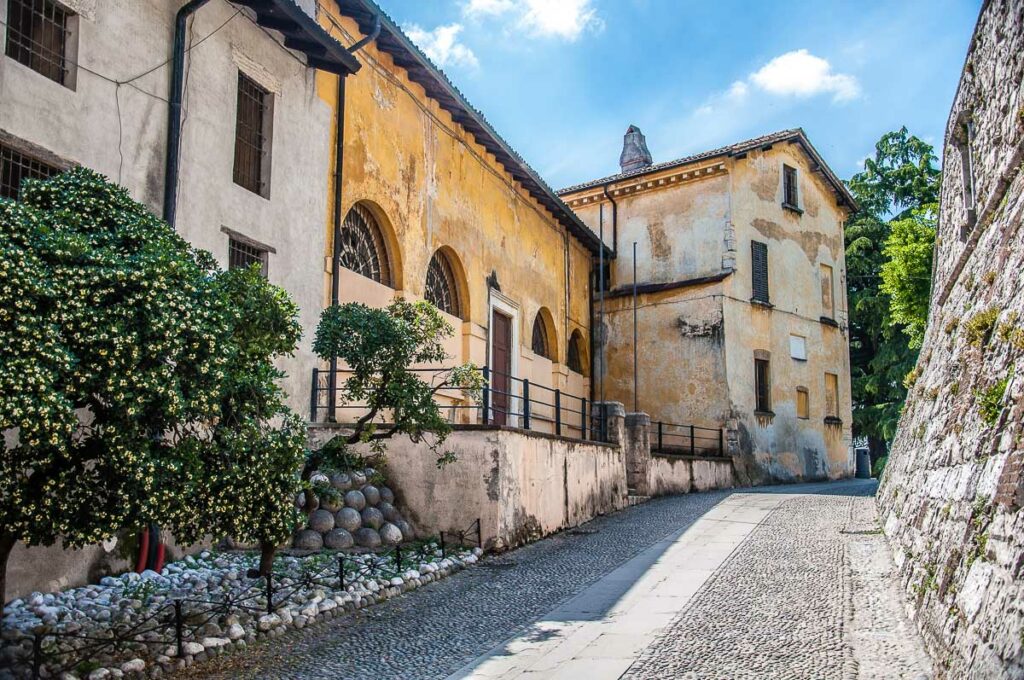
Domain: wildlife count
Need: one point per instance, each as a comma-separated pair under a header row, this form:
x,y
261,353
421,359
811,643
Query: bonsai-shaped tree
x,y
114,346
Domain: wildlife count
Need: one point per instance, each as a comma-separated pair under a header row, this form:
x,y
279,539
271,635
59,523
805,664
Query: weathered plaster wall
x,y
687,474
953,489
432,186
784,447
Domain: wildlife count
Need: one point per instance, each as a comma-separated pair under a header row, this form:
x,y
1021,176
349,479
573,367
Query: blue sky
x,y
562,79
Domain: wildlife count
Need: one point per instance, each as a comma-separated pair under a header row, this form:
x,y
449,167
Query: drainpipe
x,y
174,112
339,162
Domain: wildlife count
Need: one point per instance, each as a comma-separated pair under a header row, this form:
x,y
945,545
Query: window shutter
x,y
759,267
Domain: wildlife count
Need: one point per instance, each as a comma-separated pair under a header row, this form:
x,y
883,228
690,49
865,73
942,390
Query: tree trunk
x,y
7,542
267,551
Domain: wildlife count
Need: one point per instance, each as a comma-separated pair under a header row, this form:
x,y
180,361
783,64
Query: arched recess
x,y
369,246
544,338
446,286
576,354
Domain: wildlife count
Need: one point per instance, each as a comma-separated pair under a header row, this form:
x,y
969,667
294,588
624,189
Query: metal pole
x,y
660,448
179,624
270,593
486,397
526,404
558,411
692,448
313,394
600,294
37,655
636,394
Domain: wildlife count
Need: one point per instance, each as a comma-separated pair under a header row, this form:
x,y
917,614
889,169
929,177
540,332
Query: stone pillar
x,y
637,452
613,415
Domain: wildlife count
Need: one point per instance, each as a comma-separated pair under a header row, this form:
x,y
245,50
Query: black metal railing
x,y
676,439
181,619
520,403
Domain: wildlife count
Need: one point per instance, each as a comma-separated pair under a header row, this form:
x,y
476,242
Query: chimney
x,y
634,154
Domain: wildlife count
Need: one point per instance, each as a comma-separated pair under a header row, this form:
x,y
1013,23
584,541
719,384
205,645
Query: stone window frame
x,y
832,398
263,251
791,189
806,393
763,383
964,143
260,183
793,355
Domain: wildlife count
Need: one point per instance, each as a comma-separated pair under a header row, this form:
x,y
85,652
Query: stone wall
x,y
687,474
951,495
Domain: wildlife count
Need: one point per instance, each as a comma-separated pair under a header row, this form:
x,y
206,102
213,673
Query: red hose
x,y
140,564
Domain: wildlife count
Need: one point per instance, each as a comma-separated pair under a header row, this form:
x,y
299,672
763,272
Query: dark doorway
x,y
501,366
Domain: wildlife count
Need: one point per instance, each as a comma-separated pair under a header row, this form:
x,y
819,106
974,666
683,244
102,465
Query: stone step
x,y
634,499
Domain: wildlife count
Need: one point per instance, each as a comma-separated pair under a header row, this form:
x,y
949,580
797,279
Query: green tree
x,y
113,350
907,272
898,180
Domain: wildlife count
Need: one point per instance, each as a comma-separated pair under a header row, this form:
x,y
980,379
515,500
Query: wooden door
x,y
501,367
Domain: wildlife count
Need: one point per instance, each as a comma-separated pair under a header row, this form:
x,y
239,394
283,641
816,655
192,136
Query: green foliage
x,y
990,400
380,347
899,179
906,274
978,329
879,467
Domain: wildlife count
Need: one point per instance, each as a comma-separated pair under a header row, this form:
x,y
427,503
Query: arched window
x,y
442,290
362,246
576,354
541,345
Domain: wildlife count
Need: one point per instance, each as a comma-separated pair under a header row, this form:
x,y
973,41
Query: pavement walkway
x,y
790,581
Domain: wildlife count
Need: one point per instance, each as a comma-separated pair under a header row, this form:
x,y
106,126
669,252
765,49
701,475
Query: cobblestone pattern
x,y
442,626
775,609
948,499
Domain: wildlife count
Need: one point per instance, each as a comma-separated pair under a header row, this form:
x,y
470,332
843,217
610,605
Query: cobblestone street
x,y
782,582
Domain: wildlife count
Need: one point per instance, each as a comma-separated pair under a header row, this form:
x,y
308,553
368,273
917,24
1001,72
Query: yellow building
x,y
741,302
435,205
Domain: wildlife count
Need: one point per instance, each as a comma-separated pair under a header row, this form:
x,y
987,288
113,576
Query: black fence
x,y
676,439
181,619
530,406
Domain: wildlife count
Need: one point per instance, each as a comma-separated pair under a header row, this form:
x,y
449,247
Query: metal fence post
x,y
37,655
398,557
487,395
479,534
660,445
441,537
341,572
526,404
179,627
721,448
692,447
313,394
558,411
270,593
583,418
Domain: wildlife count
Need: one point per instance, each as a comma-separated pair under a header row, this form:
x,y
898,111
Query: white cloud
x,y
566,19
800,73
442,45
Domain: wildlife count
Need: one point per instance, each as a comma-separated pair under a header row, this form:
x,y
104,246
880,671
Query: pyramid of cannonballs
x,y
365,515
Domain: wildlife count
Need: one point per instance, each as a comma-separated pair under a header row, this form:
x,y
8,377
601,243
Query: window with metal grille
x,y
38,34
252,136
759,270
442,290
803,403
790,196
362,246
575,354
827,295
16,166
540,344
243,254
763,385
831,395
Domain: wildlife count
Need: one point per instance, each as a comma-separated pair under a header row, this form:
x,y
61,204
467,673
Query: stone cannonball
x,y
368,538
406,529
372,518
355,499
319,478
387,494
341,481
348,519
307,539
390,534
358,478
338,539
301,500
332,503
321,521
389,511
372,494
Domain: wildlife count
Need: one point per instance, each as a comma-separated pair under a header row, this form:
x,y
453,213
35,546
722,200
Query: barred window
x,y
362,246
16,166
442,290
38,33
540,344
245,254
252,136
763,385
576,353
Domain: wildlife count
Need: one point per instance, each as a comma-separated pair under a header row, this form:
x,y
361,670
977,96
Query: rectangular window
x,y
243,254
763,385
38,36
16,166
831,395
798,347
790,197
827,295
252,137
759,270
967,169
803,403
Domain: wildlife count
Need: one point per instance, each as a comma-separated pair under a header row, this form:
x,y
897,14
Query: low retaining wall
x,y
686,474
522,485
